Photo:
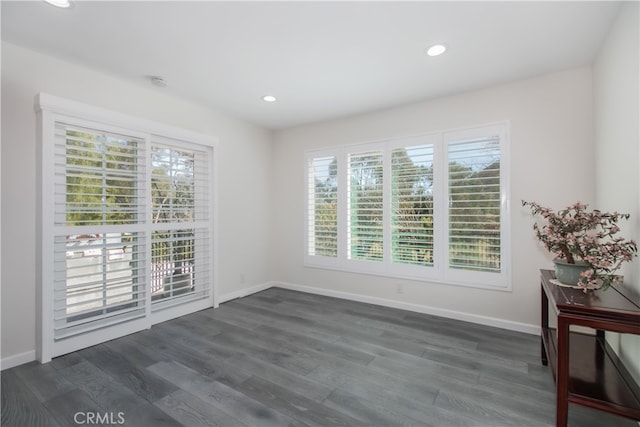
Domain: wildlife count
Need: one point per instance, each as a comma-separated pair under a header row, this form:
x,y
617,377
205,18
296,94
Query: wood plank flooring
x,y
285,358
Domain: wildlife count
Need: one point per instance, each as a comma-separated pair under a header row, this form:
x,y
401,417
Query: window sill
x,y
492,281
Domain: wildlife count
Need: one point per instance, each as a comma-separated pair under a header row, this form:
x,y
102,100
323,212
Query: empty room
x,y
297,213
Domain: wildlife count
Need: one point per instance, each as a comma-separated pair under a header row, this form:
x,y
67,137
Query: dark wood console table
x,y
586,370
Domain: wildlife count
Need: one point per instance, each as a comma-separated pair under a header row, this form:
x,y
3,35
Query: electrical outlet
x,y
242,278
399,288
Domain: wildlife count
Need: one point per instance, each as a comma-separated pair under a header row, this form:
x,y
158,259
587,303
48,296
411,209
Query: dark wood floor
x,y
280,358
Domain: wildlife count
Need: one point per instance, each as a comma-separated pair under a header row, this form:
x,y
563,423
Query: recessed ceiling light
x,y
269,98
436,49
59,3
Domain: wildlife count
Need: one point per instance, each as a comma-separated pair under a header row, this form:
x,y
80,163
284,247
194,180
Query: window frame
x,y
51,110
439,272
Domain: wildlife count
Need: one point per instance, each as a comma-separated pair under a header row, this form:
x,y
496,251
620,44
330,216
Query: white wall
x,y
551,141
617,134
244,190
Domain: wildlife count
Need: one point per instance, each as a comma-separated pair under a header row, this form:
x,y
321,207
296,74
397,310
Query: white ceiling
x,y
323,60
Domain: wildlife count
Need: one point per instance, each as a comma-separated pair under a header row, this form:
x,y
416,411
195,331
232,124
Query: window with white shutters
x,y
322,202
125,223
180,267
430,208
474,203
365,206
99,246
412,205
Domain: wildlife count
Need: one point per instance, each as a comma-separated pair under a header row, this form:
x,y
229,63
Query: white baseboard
x,y
241,293
17,359
450,314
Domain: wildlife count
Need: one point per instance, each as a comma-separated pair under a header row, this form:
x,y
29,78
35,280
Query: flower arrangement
x,y
577,234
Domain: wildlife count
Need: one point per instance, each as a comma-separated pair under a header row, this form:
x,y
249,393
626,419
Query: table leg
x,y
544,323
562,375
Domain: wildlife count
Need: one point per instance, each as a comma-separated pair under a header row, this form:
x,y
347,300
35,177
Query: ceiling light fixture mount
x,y
59,3
436,50
269,98
158,81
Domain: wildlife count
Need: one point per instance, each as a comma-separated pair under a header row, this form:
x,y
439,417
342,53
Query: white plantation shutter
x,y
322,202
474,204
99,280
99,249
180,260
99,177
365,238
125,225
180,267
179,183
432,208
412,205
